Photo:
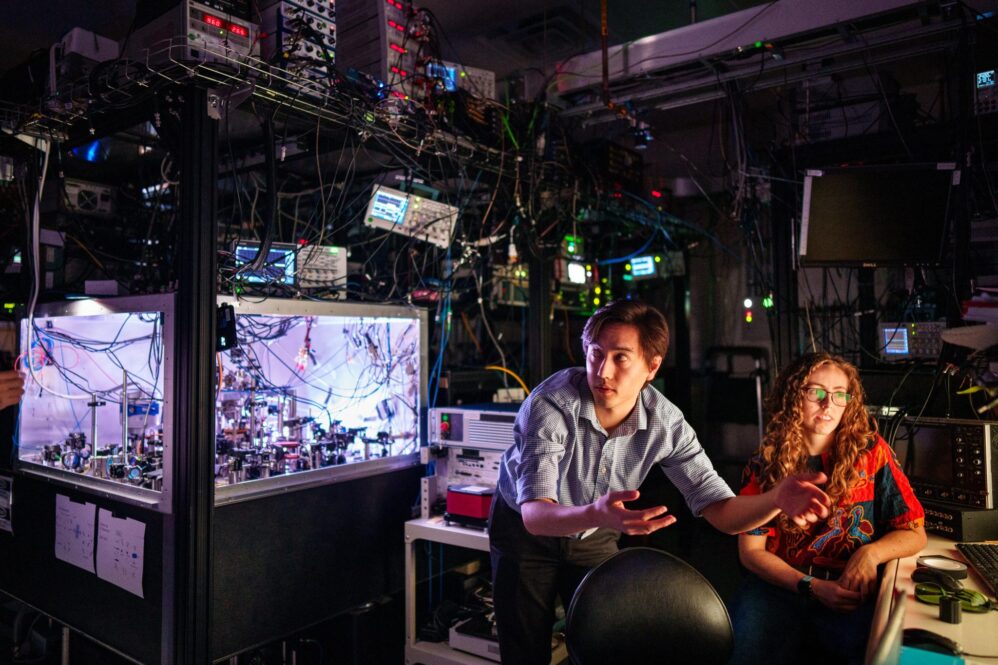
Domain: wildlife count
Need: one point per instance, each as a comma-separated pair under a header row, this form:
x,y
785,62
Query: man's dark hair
x,y
653,330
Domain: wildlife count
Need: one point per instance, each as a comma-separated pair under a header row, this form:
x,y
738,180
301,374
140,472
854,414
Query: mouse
x,y
949,584
929,641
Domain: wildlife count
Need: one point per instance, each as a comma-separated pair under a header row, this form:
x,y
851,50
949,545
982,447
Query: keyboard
x,y
983,557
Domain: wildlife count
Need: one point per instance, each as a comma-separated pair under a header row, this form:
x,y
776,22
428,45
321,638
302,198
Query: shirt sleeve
x,y
896,504
691,471
751,487
539,435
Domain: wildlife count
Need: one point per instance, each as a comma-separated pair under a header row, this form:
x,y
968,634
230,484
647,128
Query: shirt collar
x,y
587,407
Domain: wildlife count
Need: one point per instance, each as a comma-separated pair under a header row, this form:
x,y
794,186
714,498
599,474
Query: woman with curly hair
x,y
810,589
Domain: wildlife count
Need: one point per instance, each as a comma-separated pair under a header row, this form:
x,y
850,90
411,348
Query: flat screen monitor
x,y
894,341
878,215
643,266
441,72
277,268
388,205
577,273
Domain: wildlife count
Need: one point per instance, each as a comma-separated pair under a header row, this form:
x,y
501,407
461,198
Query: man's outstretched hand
x,y
800,498
610,513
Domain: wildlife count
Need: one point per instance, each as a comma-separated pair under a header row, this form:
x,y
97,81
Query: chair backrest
x,y
646,606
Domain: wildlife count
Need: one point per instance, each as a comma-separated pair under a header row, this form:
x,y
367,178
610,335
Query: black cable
x,y
270,200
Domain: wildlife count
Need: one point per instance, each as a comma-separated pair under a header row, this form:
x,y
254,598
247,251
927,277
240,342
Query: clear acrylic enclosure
x,y
97,404
314,391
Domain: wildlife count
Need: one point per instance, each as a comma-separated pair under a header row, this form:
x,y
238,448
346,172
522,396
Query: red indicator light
x,y
214,21
240,30
657,194
403,73
396,47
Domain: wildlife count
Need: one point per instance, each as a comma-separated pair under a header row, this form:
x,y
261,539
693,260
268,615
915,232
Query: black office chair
x,y
646,606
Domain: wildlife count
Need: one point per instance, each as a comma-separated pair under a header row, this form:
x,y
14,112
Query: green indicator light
x,y
628,278
334,250
444,417
571,248
9,306
758,44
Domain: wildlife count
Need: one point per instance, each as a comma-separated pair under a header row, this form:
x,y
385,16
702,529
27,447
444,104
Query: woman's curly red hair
x,y
783,449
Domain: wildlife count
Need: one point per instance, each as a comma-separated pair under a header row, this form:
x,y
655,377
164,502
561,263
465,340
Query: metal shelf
x,y
435,529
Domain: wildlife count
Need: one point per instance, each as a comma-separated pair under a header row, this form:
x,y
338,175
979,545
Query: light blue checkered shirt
x,y
561,452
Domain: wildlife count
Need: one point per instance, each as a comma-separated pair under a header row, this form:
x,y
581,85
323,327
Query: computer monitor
x,y
643,267
885,648
877,215
277,268
388,205
894,340
444,73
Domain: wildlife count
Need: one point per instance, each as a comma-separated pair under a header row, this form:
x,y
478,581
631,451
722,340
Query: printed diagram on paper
x,y
121,551
74,532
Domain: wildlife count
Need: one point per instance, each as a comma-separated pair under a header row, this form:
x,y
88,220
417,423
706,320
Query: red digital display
x,y
214,21
240,30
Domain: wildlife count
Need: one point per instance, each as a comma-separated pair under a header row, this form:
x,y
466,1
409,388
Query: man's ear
x,y
653,366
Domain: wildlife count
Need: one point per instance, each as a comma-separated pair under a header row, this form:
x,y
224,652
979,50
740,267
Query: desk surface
x,y
976,634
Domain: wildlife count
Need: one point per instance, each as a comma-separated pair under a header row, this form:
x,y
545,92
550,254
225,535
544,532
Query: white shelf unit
x,y
436,530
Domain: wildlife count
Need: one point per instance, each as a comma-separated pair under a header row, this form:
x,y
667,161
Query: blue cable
x,y
624,259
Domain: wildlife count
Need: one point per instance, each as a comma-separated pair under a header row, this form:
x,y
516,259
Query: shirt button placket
x,y
604,470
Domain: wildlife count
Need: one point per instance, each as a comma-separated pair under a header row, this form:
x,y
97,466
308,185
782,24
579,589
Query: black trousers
x,y
528,573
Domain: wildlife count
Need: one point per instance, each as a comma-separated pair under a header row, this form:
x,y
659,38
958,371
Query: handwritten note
x,y
121,551
74,532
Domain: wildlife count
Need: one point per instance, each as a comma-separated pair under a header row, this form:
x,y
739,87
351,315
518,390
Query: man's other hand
x,y
800,498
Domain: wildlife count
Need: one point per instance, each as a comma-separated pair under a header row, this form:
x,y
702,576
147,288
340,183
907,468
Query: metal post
x,y
193,469
539,317
65,646
867,303
784,325
681,392
124,416
93,424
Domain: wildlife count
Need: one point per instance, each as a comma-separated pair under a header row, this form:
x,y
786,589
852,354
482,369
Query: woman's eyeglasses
x,y
819,394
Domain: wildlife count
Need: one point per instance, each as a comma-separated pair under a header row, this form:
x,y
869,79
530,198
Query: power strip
x,y
411,215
